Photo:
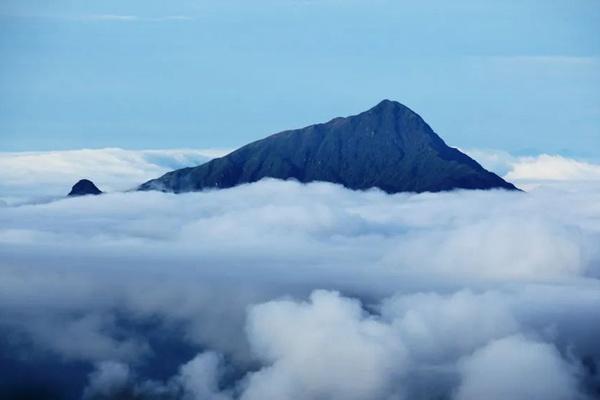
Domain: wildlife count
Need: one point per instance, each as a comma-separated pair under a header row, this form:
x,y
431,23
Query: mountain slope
x,y
389,147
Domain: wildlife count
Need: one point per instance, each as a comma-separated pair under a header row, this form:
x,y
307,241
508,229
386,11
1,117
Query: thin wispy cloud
x,y
132,18
541,59
99,17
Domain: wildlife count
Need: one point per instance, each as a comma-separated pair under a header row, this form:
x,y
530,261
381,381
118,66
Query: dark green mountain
x,y
389,147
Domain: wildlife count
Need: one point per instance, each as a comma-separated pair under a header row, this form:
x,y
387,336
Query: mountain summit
x,y
389,147
83,188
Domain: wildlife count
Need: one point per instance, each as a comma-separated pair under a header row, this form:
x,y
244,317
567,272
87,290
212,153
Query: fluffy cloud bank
x,y
548,167
42,175
331,347
503,370
532,171
290,291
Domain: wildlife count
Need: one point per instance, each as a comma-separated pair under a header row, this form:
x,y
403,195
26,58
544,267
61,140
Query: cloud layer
x,y
534,170
43,176
290,291
28,176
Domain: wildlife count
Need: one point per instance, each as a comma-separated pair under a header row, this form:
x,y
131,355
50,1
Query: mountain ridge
x,y
388,146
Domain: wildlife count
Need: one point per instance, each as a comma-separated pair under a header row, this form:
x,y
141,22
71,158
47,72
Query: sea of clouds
x,y
278,290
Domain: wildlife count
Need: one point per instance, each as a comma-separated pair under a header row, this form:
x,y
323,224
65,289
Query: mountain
x,y
83,188
389,147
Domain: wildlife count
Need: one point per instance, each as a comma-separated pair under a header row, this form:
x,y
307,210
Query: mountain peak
x,y
387,104
390,106
389,147
84,187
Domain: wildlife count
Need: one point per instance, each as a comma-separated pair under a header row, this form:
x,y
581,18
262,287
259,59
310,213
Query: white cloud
x,y
497,161
110,17
39,175
548,167
200,378
197,379
328,348
517,368
421,346
433,326
300,291
132,18
109,380
539,171
542,167
90,337
537,61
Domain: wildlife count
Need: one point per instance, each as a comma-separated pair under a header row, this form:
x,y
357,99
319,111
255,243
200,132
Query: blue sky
x,y
516,75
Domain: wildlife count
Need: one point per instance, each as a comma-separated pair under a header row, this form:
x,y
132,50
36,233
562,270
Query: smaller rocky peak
x,y
83,188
